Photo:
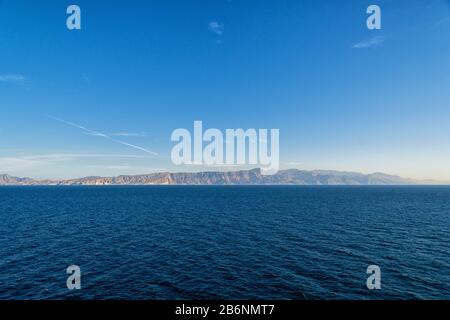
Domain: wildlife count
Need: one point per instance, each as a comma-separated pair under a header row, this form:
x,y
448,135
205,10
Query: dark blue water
x,y
171,242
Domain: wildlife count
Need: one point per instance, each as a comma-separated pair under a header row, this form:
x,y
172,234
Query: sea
x,y
225,242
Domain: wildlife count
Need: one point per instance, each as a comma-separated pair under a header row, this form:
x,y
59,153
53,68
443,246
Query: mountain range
x,y
243,177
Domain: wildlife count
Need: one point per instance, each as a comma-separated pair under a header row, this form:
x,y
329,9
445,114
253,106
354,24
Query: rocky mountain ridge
x,y
242,177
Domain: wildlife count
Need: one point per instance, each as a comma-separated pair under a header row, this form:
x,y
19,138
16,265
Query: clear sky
x,y
344,97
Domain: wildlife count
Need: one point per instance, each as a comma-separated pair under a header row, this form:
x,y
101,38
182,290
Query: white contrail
x,y
99,134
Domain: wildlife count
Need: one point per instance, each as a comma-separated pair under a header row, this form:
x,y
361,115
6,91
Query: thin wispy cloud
x,y
86,79
105,136
372,42
12,78
127,167
71,156
202,164
14,163
442,22
216,27
24,165
118,134
11,164
128,134
294,163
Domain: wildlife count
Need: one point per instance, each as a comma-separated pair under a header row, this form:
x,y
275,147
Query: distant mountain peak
x,y
6,179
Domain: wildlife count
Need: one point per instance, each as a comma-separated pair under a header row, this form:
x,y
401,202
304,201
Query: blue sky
x,y
344,97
